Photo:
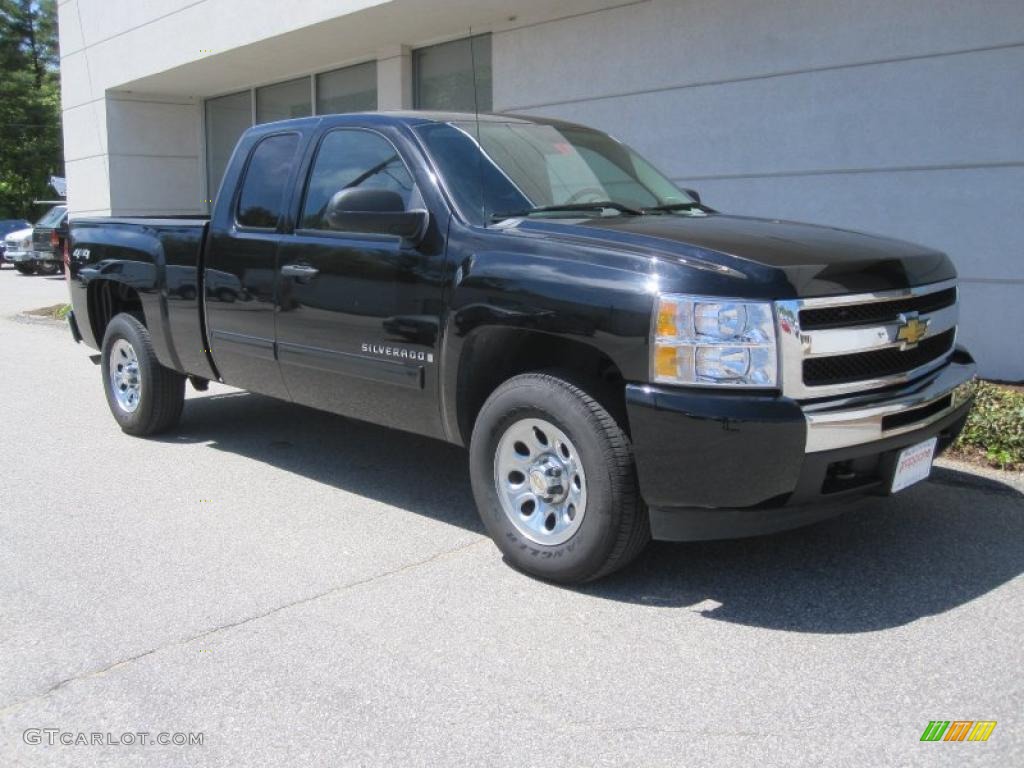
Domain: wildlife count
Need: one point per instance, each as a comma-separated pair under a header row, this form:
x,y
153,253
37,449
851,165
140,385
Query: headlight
x,y
713,342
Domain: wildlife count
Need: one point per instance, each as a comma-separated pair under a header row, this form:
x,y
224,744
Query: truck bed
x,y
160,257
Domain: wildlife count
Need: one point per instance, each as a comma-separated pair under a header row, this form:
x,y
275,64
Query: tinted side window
x,y
266,179
348,159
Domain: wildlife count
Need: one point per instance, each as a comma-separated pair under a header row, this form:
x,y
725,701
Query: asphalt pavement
x,y
301,589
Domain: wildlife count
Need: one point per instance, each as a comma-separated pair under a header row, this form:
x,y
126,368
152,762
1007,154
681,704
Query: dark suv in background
x,y
48,238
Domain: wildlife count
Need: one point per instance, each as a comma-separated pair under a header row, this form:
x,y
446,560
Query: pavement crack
x,y
11,708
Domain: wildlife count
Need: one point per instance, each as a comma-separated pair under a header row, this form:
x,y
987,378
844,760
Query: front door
x,y
358,315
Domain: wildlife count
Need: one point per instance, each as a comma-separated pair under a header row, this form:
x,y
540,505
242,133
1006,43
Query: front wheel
x,y
555,482
145,397
47,267
26,268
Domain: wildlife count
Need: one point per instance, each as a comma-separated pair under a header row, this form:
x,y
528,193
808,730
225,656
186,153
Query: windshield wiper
x,y
569,207
669,207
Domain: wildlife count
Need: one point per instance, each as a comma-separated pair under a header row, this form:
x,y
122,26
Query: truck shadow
x,y
922,553
418,474
930,550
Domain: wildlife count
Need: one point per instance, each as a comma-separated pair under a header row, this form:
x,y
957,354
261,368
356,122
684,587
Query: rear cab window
x,y
265,187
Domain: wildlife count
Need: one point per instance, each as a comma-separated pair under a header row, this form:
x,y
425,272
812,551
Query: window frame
x,y
308,232
282,216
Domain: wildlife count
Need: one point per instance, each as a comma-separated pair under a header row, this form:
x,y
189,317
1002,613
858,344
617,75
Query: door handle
x,y
300,271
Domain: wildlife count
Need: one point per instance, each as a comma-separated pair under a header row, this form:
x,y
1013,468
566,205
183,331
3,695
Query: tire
x,y
47,267
25,269
159,392
610,527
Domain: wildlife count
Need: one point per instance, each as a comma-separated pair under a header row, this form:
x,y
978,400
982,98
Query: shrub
x,y
995,427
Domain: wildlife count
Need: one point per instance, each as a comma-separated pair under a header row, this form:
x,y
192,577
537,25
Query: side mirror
x,y
375,212
694,194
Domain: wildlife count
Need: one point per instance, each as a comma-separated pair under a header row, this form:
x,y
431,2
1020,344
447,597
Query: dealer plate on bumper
x,y
914,464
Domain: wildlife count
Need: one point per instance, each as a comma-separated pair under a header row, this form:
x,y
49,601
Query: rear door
x,y
241,268
357,327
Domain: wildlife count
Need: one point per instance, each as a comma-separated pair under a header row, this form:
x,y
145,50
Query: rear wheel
x,y
554,480
145,397
47,267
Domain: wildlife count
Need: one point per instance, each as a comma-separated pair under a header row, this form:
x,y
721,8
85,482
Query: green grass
x,y
55,312
995,428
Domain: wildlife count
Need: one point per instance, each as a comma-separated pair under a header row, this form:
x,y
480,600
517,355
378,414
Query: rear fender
x,y
130,258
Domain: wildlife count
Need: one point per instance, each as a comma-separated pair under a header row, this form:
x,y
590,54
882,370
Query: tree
x,y
30,130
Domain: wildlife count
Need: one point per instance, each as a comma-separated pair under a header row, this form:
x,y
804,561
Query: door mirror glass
x,y
374,212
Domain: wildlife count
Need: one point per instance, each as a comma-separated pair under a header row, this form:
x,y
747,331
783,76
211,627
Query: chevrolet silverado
x,y
621,361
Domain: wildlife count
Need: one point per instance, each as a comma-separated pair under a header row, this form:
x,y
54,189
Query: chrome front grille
x,y
845,315
842,344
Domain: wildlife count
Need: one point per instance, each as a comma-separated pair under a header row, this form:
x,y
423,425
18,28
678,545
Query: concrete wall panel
x,y
153,185
88,186
150,127
901,117
671,42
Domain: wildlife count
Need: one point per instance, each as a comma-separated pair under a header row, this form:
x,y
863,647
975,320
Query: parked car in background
x,y
7,227
48,236
18,250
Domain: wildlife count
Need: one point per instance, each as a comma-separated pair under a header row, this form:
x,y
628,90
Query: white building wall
x,y
132,152
901,117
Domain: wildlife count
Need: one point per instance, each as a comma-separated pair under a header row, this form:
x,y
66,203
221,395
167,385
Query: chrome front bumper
x,y
856,421
17,257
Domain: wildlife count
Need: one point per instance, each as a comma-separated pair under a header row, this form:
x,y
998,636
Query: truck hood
x,y
813,260
20,234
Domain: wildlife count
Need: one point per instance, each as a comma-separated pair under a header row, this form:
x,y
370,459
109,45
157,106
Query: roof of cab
x,y
409,118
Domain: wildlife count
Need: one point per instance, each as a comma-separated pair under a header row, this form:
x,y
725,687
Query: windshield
x,y
12,225
531,165
52,217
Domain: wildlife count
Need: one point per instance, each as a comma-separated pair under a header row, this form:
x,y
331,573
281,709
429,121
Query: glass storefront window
x,y
444,78
352,89
227,118
443,75
283,101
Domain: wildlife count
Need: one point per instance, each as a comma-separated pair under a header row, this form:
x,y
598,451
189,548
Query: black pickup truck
x,y
621,361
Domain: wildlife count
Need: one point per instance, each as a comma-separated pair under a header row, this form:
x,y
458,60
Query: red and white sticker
x,y
914,464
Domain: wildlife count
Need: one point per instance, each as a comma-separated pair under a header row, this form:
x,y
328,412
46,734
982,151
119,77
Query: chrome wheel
x,y
125,378
540,481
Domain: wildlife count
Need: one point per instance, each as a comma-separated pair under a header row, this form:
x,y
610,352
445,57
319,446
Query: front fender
x,y
599,306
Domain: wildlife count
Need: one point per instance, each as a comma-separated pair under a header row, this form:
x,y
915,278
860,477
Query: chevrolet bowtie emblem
x,y
911,330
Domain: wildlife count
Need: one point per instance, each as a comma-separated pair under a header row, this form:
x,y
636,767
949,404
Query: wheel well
x,y
494,355
107,298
